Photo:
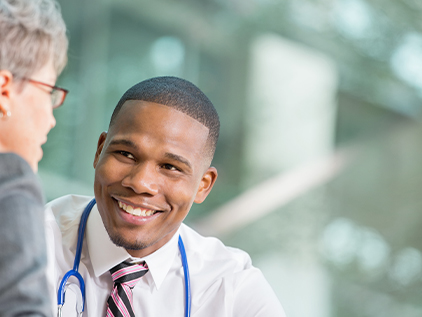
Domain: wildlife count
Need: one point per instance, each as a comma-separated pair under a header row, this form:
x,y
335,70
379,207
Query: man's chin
x,y
120,241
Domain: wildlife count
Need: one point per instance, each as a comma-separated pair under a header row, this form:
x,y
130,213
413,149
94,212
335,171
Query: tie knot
x,y
128,273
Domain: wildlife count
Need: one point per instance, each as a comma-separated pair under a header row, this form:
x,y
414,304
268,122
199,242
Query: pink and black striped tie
x,y
125,276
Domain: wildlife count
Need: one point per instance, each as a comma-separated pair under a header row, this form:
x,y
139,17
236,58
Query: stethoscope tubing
x,y
188,298
74,272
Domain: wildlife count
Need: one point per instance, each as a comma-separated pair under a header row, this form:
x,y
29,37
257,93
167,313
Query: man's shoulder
x,y
65,212
69,205
70,201
212,251
220,270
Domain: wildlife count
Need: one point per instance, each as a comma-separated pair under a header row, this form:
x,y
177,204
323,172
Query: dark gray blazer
x,y
23,255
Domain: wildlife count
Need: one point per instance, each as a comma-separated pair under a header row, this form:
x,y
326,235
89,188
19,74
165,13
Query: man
x,y
33,52
150,167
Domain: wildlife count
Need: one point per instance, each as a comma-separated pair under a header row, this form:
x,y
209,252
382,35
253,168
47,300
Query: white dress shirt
x,y
223,280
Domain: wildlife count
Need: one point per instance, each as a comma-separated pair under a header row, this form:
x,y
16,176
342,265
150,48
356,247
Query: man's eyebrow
x,y
125,142
178,158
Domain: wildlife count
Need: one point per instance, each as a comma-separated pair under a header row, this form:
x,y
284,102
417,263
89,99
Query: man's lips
x,y
136,211
129,213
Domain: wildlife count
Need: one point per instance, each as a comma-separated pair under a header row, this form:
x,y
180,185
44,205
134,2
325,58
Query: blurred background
x,y
320,156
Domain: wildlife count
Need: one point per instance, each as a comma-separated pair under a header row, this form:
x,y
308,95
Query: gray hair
x,y
32,32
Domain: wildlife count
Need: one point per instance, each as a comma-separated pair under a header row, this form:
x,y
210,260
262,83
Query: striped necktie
x,y
125,276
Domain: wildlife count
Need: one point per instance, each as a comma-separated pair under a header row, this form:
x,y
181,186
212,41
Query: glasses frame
x,y
53,89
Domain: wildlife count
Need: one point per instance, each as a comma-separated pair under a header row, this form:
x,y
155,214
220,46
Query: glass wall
x,y
319,159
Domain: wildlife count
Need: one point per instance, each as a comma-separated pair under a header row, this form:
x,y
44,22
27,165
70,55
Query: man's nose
x,y
142,179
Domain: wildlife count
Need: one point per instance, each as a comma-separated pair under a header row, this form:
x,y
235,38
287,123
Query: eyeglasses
x,y
58,94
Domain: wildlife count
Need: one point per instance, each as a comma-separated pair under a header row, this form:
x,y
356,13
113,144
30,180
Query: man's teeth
x,y
136,211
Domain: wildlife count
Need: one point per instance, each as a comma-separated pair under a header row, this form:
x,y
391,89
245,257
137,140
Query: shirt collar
x,y
105,254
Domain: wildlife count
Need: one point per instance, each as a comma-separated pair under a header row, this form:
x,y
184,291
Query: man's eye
x,y
126,154
170,167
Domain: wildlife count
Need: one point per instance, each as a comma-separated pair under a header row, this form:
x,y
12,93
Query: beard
x,y
118,240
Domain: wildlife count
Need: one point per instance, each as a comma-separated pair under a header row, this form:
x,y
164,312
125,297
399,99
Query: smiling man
x,y
150,167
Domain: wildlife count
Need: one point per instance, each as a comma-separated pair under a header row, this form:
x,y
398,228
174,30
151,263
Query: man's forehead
x,y
134,107
138,115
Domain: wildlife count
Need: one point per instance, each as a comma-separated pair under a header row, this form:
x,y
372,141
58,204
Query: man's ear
x,y
6,80
100,145
206,184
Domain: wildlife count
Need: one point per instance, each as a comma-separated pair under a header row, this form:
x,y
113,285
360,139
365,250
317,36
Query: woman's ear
x,y
6,79
206,184
100,145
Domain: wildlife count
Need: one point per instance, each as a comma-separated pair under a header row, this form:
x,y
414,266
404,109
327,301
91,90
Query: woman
x,y
33,46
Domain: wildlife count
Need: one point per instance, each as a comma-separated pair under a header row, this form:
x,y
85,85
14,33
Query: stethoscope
x,y
74,272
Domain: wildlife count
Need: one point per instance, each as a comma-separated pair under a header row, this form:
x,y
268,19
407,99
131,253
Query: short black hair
x,y
181,95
